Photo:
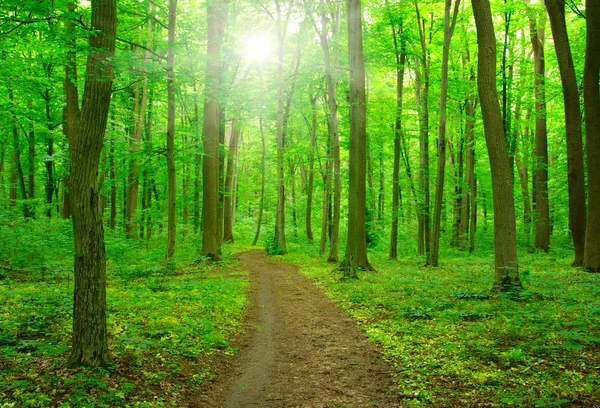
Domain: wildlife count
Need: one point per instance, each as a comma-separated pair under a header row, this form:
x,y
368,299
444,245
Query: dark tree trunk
x,y
400,54
356,246
576,179
261,205
449,25
217,17
171,176
505,240
542,208
311,169
90,345
228,206
591,94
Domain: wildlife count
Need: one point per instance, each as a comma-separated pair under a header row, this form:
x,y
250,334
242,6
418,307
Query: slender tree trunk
x,y
90,345
542,208
356,246
576,179
326,201
197,164
49,164
441,169
591,94
311,169
228,204
505,240
261,205
217,17
422,89
171,176
400,54
17,172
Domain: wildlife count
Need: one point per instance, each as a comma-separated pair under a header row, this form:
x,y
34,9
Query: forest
x,y
312,203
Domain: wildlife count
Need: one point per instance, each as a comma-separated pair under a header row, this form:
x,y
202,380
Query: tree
x,y
542,208
439,188
591,106
356,246
505,236
576,179
172,180
90,345
217,16
400,56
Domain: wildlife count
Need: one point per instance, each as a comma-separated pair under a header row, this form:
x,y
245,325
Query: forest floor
x,y
301,349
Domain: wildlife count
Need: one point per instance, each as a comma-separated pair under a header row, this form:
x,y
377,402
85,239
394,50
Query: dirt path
x,y
305,351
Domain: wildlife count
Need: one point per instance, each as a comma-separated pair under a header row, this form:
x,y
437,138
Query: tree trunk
x,y
171,176
423,104
356,246
542,209
217,17
90,346
311,169
228,205
400,54
197,164
576,179
49,164
441,168
505,240
591,94
261,205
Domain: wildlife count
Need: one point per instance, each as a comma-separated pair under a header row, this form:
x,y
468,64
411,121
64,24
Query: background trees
x,y
275,81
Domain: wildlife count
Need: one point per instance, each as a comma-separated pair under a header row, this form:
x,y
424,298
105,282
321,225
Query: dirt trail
x,y
305,351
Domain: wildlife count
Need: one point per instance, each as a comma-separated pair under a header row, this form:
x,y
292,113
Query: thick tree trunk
x,y
576,179
505,240
171,176
400,54
356,246
217,16
441,168
542,208
591,93
90,346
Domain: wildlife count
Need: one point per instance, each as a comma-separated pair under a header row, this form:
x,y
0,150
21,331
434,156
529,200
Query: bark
x,y
261,205
217,16
326,200
356,246
17,172
171,176
197,164
591,94
505,240
90,346
449,25
542,208
49,164
422,90
400,55
311,169
228,204
331,79
575,170
468,193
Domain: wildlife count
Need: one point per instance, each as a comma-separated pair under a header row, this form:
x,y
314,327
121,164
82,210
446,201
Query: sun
x,y
257,48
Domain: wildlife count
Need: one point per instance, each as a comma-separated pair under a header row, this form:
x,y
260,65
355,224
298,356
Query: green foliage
x,y
453,344
163,326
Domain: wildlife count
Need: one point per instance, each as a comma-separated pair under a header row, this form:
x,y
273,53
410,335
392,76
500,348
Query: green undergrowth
x,y
452,344
165,326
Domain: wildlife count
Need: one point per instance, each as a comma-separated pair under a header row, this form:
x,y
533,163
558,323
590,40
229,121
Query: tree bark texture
x,y
591,94
576,179
228,199
171,176
356,246
217,16
542,207
90,346
505,239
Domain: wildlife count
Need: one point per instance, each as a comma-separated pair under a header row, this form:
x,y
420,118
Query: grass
x,y
164,327
451,344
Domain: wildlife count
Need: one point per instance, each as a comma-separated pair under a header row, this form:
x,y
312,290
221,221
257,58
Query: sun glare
x,y
257,48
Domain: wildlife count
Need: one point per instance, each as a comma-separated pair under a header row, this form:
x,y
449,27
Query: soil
x,y
301,349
